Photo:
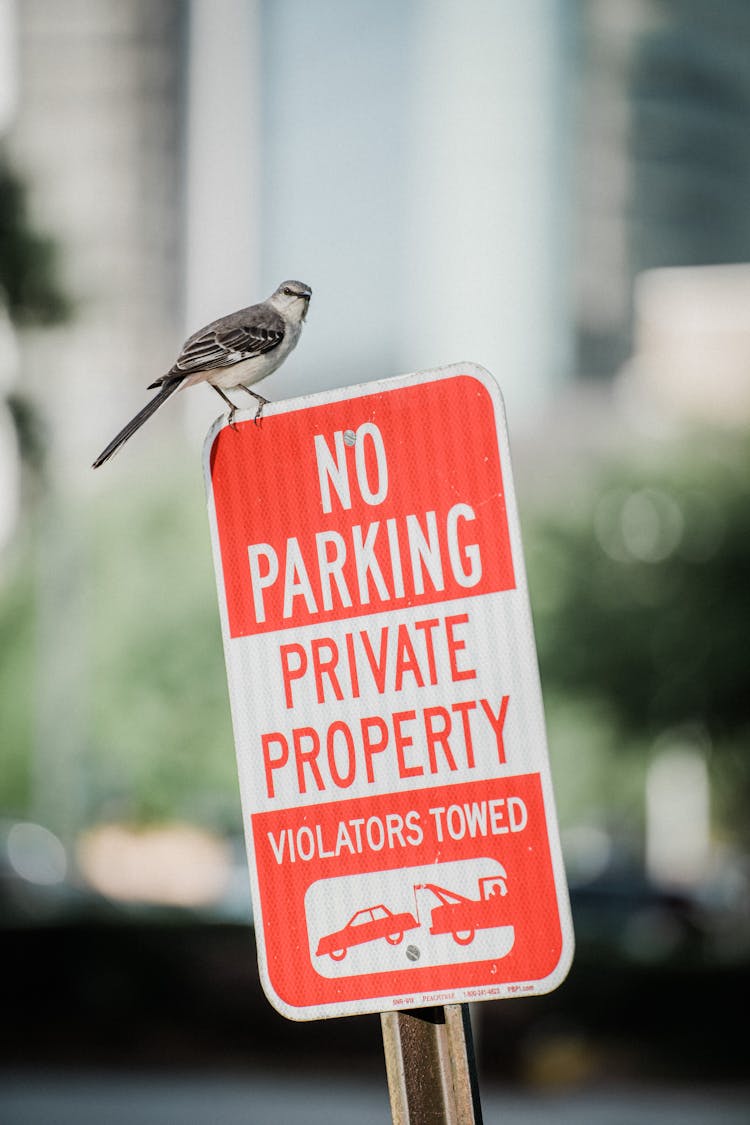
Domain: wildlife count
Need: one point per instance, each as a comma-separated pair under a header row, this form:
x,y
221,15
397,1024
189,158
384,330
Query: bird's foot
x,y
261,403
230,404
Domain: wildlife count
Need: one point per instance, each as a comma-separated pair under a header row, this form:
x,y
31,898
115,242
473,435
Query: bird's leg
x,y
261,401
230,404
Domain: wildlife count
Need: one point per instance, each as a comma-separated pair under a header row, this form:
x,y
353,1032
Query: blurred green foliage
x,y
641,600
32,294
161,732
29,260
640,597
17,623
154,697
31,432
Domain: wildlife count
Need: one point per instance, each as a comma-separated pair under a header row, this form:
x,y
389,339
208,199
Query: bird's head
x,y
292,299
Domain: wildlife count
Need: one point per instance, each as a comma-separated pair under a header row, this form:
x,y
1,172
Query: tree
x,y
644,600
31,290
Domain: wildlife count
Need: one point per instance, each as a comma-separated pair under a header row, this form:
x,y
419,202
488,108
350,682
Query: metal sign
x,y
385,696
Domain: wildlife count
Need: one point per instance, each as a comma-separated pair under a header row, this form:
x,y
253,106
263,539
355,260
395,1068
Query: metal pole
x,y
429,1058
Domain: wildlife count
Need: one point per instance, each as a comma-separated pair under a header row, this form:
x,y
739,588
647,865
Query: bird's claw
x,y
261,403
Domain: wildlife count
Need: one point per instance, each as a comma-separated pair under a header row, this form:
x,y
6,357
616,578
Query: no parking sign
x,y
387,712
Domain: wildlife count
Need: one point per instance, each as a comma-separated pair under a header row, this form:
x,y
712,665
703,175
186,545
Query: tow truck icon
x,y
460,916
455,914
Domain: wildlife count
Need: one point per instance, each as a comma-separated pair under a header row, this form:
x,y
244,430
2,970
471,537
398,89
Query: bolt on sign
x,y
385,696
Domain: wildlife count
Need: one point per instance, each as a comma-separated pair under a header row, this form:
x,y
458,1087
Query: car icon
x,y
366,925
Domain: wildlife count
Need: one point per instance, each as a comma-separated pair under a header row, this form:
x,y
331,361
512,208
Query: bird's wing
x,y
227,341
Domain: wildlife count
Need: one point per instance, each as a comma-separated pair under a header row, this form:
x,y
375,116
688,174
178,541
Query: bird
x,y
229,354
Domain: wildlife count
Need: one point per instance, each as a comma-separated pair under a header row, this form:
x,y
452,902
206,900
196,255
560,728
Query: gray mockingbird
x,y
230,354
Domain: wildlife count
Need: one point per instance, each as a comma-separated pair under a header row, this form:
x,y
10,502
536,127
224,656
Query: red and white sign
x,y
385,696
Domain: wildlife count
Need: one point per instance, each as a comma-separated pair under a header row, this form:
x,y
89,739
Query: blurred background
x,y
556,189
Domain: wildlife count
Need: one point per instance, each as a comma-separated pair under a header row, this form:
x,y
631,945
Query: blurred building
x,y
414,175
664,164
99,136
476,181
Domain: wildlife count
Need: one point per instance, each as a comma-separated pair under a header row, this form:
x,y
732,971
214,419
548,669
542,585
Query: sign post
x,y
430,1064
387,713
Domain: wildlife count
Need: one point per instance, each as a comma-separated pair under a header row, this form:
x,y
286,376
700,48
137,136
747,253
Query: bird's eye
x,y
288,291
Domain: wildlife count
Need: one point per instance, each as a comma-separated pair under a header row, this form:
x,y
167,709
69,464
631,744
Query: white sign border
x,y
434,997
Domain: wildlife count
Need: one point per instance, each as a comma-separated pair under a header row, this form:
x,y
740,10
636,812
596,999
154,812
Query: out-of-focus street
x,y
257,1099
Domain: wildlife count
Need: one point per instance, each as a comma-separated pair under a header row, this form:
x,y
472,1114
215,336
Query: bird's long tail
x,y
136,423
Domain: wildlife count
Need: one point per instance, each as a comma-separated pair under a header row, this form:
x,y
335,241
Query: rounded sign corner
x,y
284,1008
475,372
564,964
219,427
478,370
482,374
